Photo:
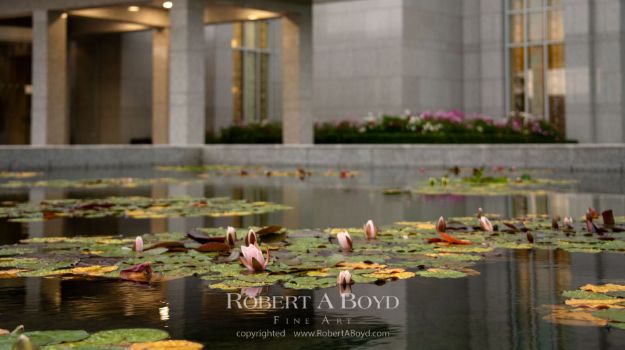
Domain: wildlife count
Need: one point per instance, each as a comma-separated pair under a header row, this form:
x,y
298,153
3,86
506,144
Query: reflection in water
x,y
499,309
313,207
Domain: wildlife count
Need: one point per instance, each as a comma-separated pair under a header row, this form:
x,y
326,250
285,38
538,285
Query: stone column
x,y
49,117
160,86
186,73
297,125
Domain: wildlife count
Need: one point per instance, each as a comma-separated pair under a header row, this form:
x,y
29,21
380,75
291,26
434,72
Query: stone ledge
x,y
586,157
602,157
95,156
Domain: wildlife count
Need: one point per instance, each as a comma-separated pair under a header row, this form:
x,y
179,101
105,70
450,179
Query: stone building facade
x,y
115,71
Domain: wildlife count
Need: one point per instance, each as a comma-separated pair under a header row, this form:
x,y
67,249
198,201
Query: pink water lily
x,y
344,278
568,221
345,241
231,236
344,281
251,292
253,258
138,246
251,238
370,230
485,224
441,226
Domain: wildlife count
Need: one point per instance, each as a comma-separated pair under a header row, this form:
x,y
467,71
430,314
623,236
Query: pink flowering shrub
x,y
452,126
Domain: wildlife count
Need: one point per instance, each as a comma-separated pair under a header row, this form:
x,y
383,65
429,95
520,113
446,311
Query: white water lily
x,y
253,258
345,241
138,246
231,236
485,224
370,230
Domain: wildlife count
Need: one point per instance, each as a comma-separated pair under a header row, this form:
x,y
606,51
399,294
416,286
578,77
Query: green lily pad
x,y
617,325
582,294
441,273
309,283
612,315
125,336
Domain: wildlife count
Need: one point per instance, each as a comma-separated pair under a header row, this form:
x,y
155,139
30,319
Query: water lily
x,y
344,278
345,241
251,238
370,230
485,224
24,343
231,236
568,221
344,281
253,258
251,292
480,212
441,226
138,246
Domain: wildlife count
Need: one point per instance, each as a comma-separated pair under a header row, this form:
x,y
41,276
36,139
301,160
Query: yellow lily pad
x,y
167,344
603,288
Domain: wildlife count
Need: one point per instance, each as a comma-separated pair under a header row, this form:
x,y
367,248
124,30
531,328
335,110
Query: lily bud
x,y
441,226
138,246
231,236
592,213
24,343
251,292
251,238
485,224
253,258
554,222
480,212
370,230
344,278
345,241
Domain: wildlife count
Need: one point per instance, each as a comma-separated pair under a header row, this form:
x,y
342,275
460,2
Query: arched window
x,y
535,59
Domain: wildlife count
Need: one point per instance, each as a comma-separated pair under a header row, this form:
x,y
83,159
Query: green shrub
x,y
429,127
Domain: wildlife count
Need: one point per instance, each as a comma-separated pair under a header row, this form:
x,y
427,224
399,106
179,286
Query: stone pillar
x,y
49,111
297,124
160,86
186,73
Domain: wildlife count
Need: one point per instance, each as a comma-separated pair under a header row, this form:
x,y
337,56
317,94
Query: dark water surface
x,y
499,309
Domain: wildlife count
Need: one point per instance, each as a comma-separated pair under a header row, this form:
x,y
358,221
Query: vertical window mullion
x,y
525,58
506,63
546,114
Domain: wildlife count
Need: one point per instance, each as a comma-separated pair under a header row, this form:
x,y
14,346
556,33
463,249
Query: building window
x,y
535,59
250,73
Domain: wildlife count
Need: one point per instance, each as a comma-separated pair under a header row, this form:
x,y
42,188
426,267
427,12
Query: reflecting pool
x,y
502,308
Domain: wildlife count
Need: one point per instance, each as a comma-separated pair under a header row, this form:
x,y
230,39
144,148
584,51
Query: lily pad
x,y
612,315
125,336
582,294
441,273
